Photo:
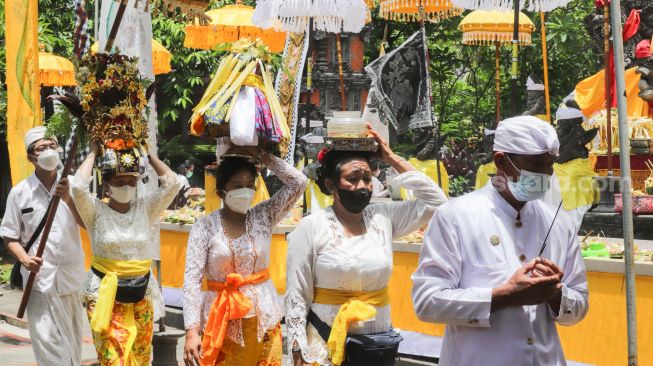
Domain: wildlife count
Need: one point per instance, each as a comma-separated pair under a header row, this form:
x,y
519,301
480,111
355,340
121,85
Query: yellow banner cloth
x,y
577,185
590,94
230,304
23,90
354,306
428,168
112,269
483,174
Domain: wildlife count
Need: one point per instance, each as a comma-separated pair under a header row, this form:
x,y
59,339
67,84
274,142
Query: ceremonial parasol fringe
x,y
408,10
506,5
484,38
333,16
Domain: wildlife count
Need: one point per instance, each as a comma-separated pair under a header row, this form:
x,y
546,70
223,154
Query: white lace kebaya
x,y
121,236
209,255
321,255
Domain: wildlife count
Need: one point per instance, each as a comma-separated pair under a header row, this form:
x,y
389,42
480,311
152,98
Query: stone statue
x,y
536,102
573,137
425,143
644,63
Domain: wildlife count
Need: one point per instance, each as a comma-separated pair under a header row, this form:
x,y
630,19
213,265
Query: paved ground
x,y
15,346
16,349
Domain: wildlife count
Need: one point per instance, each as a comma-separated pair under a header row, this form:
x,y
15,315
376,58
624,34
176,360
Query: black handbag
x,y
129,291
15,277
378,349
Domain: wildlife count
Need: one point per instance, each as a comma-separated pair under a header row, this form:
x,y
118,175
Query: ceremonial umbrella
x,y
487,28
229,24
161,57
422,10
55,70
507,5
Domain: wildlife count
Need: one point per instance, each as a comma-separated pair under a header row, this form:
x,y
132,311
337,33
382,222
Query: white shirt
x,y
473,245
321,255
63,258
378,191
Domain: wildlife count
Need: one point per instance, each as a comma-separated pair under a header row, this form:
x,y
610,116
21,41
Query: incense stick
x,y
549,232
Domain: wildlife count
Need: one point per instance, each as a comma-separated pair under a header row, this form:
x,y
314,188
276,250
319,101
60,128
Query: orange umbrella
x,y
55,70
161,57
229,24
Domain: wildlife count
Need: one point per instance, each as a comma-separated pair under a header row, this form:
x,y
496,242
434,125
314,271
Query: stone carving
x,y
573,137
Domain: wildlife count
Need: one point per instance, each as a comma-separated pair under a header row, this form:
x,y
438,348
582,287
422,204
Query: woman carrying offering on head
x,y
238,321
340,260
122,297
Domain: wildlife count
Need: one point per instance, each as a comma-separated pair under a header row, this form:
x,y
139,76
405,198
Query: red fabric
x,y
630,29
601,3
643,49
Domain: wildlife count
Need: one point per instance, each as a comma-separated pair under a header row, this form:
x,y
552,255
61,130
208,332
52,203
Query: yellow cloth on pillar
x,y
590,94
428,168
113,269
23,89
354,306
314,194
482,174
577,185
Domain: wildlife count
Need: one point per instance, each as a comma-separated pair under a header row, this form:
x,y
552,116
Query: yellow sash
x,y
112,269
354,306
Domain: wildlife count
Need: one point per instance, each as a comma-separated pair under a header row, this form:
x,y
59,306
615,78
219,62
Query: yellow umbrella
x,y
55,70
487,28
161,57
409,10
229,24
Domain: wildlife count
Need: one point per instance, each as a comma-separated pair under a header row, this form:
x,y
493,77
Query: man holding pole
x,y
497,267
55,313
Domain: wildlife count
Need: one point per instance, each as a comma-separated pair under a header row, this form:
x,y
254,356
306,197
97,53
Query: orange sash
x,y
229,305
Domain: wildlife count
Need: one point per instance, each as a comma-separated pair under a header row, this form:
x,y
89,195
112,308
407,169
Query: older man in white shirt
x,y
484,270
54,312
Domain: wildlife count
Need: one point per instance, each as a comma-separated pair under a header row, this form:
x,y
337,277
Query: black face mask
x,y
355,201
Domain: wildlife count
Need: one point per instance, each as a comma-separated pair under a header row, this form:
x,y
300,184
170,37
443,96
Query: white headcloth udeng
x,y
34,134
526,135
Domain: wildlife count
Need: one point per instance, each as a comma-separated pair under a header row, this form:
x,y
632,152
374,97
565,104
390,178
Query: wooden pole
x,y
497,65
608,84
343,96
46,230
115,26
515,62
545,68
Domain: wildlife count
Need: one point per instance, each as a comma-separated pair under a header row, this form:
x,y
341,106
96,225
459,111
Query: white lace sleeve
x,y
196,255
409,216
284,200
83,199
164,196
299,284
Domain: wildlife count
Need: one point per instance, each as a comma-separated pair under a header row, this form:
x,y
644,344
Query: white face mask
x,y
123,194
239,200
530,186
48,160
